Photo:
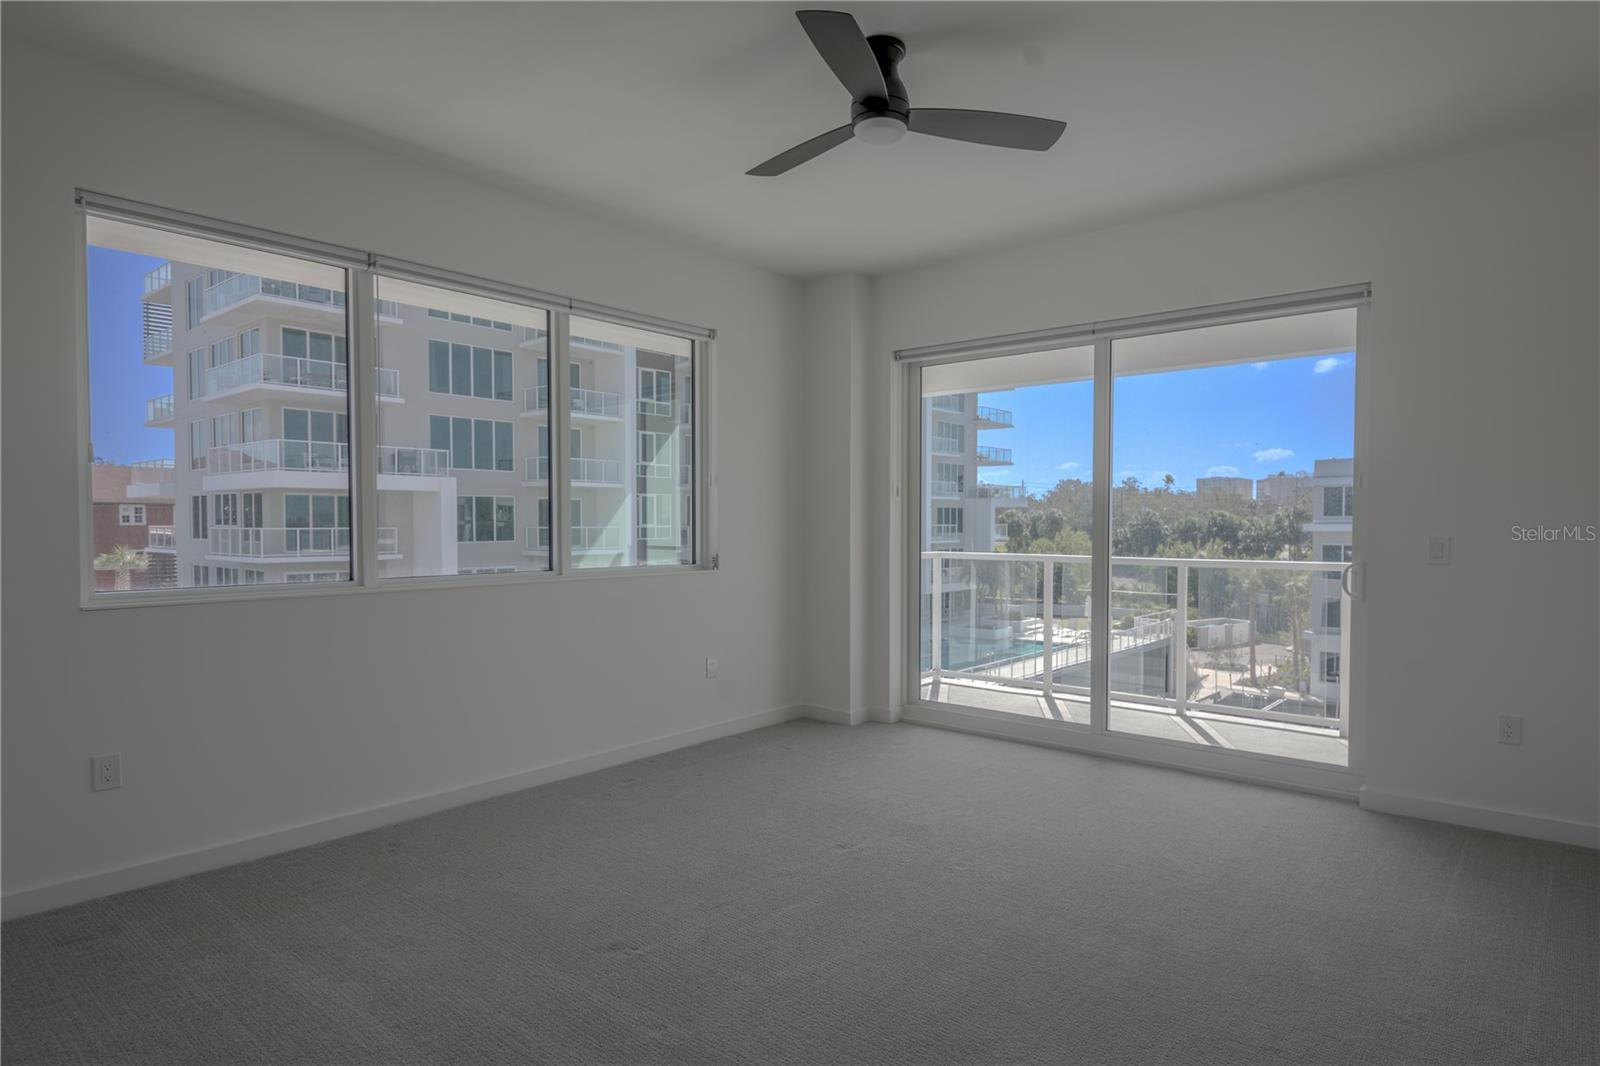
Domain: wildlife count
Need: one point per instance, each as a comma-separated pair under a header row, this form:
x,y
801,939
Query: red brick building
x,y
133,507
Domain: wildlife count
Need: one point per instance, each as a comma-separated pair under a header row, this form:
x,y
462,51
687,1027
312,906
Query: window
x,y
485,518
450,444
1330,666
1338,553
1330,614
949,479
130,514
949,438
264,415
1338,501
468,370
948,522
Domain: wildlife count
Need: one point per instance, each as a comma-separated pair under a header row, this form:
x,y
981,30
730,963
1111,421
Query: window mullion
x,y
560,411
362,352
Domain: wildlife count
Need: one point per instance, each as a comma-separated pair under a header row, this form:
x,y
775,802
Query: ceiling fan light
x,y
880,129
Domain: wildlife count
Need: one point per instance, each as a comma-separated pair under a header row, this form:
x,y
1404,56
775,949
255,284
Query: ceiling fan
x,y
880,110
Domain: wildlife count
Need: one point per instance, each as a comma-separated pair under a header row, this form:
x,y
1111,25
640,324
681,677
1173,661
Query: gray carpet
x,y
816,894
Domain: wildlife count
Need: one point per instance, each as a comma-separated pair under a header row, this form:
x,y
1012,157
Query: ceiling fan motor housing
x,y
888,51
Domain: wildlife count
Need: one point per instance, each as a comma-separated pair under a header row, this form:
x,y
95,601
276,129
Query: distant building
x,y
1223,486
133,508
1332,485
1281,489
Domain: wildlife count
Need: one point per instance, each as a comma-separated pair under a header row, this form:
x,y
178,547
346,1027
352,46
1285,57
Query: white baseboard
x,y
1515,823
138,875
831,715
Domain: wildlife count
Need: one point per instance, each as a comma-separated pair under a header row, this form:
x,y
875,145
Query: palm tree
x,y
124,560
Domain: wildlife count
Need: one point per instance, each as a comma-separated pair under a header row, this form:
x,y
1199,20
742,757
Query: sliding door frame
x,y
1097,738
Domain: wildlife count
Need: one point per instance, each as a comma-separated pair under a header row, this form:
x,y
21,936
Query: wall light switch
x,y
1438,551
1511,729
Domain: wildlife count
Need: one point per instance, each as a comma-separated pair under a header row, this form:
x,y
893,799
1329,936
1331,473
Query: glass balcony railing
x,y
159,409
591,402
584,469
946,488
1252,639
415,462
258,455
240,287
947,445
949,403
995,416
989,454
266,368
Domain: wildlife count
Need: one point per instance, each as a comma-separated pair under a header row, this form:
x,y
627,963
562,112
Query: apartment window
x,y
949,479
655,454
948,521
485,518
1338,501
272,470
469,370
1330,614
1338,553
130,514
1330,666
254,577
195,362
473,443
949,438
197,444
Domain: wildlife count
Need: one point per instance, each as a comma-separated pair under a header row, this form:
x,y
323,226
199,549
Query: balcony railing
x,y
313,455
294,542
159,409
242,287
997,416
1236,637
159,278
659,533
584,468
161,539
946,488
584,538
267,368
988,453
947,445
949,403
655,408
590,402
151,479
997,492
413,462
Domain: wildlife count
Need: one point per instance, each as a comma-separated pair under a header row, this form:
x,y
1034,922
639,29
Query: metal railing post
x,y
1049,626
1180,640
935,613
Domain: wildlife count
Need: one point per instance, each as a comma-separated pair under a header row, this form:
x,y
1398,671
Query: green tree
x,y
123,561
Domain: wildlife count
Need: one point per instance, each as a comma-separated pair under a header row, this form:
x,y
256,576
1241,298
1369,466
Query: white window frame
x,y
361,269
130,514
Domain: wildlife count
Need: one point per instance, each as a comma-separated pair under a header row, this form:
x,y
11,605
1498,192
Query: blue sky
x,y
119,382
1244,420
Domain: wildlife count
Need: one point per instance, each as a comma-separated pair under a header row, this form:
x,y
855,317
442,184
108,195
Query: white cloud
x,y
1067,466
1259,366
1327,365
1222,471
1273,455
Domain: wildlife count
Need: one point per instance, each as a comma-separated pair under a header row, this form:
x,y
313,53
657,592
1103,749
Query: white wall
x,y
1480,373
238,719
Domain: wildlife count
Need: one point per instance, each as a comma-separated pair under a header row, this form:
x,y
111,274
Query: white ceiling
x,y
653,111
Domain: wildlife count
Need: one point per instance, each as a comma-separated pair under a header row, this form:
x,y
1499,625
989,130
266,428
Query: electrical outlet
x,y
107,771
711,666
1438,551
1511,729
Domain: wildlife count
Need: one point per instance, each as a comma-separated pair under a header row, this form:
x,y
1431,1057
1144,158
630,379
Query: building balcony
x,y
1229,662
320,465
158,279
997,492
153,479
993,418
586,403
159,411
989,455
536,539
655,408
276,544
945,446
161,540
586,471
949,490
255,376
948,403
241,289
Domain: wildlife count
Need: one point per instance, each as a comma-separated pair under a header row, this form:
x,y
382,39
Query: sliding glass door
x,y
1145,538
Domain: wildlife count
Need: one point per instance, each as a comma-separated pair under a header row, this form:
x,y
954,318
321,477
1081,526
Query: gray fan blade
x,y
998,128
800,153
844,48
